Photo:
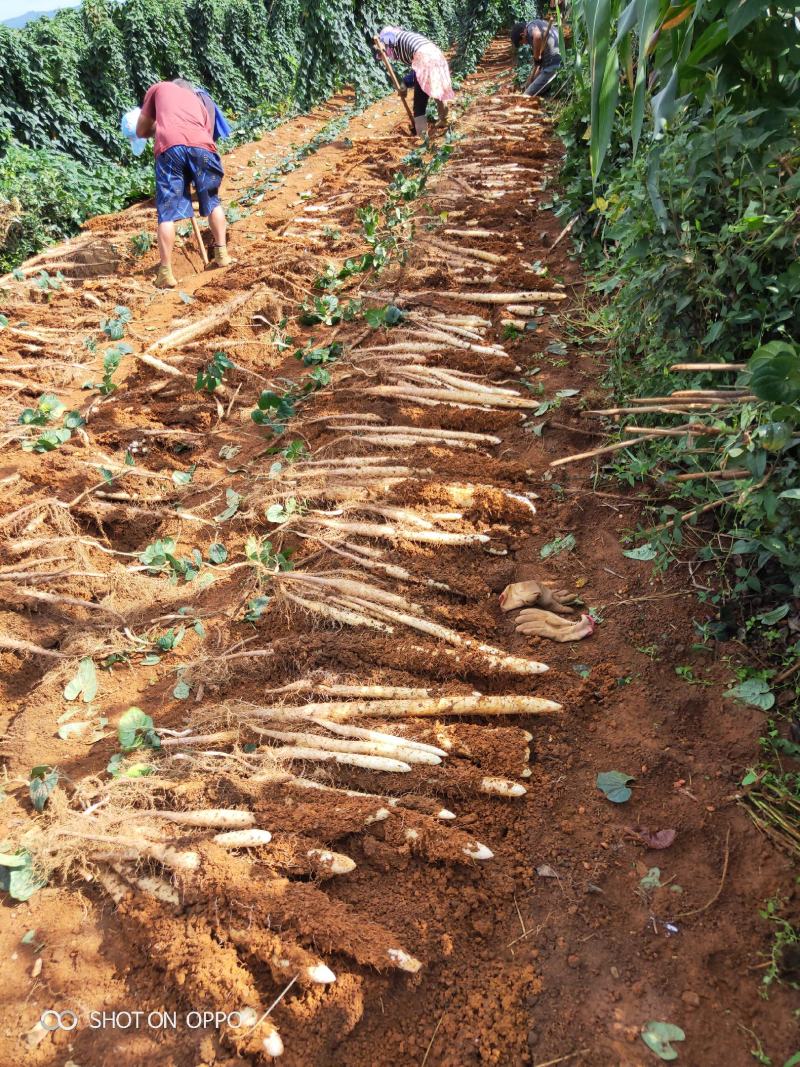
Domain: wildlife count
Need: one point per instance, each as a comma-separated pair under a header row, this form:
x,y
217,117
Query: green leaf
x,y
135,730
118,768
232,499
775,372
84,684
604,77
770,617
643,552
184,477
652,880
657,1036
256,608
182,691
217,553
17,878
615,785
789,494
41,785
755,692
557,546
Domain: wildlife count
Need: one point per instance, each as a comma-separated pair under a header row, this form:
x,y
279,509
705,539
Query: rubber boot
x,y
222,257
421,125
165,279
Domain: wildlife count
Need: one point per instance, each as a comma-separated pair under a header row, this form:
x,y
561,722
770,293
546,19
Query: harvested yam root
x,y
521,594
537,623
250,890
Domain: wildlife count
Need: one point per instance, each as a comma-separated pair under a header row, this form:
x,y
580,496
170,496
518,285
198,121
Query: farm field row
x,y
267,590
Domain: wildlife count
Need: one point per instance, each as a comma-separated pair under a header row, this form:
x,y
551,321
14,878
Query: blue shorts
x,y
177,170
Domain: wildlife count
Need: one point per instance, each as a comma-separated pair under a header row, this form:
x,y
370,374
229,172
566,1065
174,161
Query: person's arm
x,y
537,47
146,124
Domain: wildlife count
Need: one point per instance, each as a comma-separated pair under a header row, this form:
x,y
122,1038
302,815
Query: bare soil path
x,y
424,478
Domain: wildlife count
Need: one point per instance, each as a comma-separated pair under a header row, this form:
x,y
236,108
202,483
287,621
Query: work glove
x,y
536,623
520,594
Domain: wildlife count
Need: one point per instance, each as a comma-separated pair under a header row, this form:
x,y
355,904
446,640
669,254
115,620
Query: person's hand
x,y
403,90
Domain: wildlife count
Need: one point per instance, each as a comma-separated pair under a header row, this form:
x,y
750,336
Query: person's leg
x,y
442,110
420,108
218,225
166,242
207,177
541,82
172,204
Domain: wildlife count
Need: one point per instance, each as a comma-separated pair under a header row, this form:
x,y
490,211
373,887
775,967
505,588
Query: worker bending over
x,y
543,40
186,156
429,75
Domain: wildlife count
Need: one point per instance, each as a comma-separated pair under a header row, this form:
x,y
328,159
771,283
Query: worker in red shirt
x,y
186,156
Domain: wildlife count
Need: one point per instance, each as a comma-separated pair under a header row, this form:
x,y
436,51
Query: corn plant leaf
x,y
604,74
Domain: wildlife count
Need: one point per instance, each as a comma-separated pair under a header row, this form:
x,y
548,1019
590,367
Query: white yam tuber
x,y
403,961
394,750
216,818
331,862
151,885
501,787
427,707
392,533
371,763
252,838
378,736
371,691
498,658
502,298
460,396
349,618
478,851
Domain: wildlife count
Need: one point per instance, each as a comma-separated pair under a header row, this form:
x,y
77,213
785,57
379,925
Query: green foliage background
x,y
684,169
65,82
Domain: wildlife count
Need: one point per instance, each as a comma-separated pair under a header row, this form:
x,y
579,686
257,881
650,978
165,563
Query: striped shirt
x,y
403,44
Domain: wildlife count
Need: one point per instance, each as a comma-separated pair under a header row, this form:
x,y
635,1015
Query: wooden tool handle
x,y
200,243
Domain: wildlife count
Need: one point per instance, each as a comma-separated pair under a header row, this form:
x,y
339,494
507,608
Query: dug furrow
x,y
298,609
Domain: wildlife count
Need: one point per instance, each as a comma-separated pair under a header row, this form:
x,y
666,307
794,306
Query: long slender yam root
x,y
521,594
331,925
283,958
221,982
427,837
536,623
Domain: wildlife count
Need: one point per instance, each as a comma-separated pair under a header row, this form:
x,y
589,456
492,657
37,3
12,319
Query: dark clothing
x,y
421,99
177,170
551,49
541,82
